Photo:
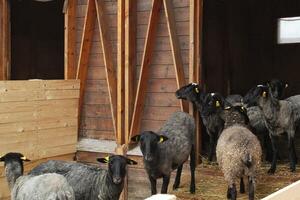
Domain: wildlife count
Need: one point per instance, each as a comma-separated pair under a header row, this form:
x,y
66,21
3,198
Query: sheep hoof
x,y
192,189
292,169
175,186
271,171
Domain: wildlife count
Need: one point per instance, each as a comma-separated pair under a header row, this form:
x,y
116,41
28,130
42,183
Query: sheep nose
x,y
117,180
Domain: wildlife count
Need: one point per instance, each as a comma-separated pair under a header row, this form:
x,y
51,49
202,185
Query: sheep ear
x,y
162,139
197,90
25,159
227,108
136,138
131,162
264,94
103,160
286,85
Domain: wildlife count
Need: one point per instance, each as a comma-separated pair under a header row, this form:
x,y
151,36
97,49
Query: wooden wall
x,y
160,99
38,119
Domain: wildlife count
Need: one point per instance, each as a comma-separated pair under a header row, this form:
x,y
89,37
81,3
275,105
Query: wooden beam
x,y
195,66
108,60
176,54
122,150
130,63
86,43
143,79
70,40
121,72
4,40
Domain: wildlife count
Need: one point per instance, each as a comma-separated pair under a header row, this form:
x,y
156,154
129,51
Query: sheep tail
x,y
248,160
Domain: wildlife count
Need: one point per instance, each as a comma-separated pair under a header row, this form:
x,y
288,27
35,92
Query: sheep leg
x,y
292,154
166,180
153,185
267,146
275,153
211,147
231,192
242,186
251,188
192,168
177,179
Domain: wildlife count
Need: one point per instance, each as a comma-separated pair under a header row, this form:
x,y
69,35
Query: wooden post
x,y
176,54
70,40
121,73
195,63
86,43
130,63
143,80
4,40
108,61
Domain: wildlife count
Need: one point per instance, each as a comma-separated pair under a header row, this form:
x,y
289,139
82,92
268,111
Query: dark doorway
x,y
37,39
240,46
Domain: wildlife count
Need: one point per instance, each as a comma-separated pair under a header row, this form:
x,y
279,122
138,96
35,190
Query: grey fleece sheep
x,y
238,154
279,117
91,182
169,149
43,187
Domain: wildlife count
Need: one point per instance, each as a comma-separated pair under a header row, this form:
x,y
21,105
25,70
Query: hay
x,y
210,184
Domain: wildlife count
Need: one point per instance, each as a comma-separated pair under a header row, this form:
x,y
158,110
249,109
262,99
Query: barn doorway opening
x,y
37,39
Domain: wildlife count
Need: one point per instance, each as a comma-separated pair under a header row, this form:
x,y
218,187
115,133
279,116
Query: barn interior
x,y
238,46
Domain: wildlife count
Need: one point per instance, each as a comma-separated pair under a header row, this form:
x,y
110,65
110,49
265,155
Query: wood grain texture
x,y
176,54
86,42
108,60
4,40
144,74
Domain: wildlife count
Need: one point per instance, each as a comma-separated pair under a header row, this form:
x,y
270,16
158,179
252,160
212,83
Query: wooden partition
x,y
39,119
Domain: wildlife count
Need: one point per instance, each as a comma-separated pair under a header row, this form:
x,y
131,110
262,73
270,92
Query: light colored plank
x,y
130,63
86,43
144,74
108,60
70,40
176,54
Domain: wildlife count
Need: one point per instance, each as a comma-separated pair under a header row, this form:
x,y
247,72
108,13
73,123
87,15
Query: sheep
x,y
279,117
211,120
169,149
238,152
48,186
91,182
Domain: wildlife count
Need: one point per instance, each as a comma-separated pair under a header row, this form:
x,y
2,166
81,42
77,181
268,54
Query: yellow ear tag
x,y
286,85
264,94
23,158
107,158
197,90
161,139
218,104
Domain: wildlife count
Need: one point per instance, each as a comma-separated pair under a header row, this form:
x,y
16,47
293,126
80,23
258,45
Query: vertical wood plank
x,y
122,150
108,61
144,74
86,43
4,39
176,54
195,66
121,72
130,63
70,40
